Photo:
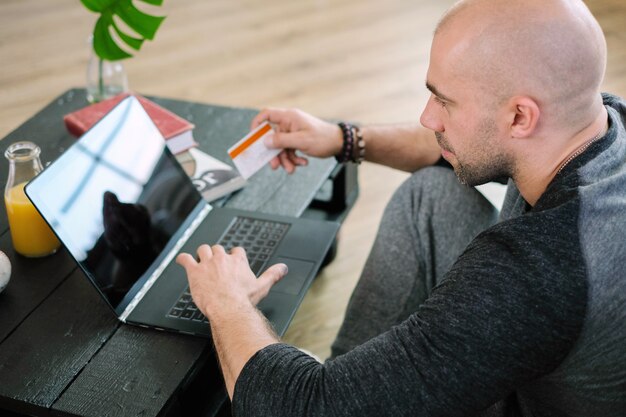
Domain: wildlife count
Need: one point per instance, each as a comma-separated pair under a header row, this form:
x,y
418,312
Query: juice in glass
x,y
30,233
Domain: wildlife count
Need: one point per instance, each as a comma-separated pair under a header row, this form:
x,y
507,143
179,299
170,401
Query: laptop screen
x,y
116,199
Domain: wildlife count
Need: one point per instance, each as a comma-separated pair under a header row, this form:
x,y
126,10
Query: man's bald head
x,y
551,50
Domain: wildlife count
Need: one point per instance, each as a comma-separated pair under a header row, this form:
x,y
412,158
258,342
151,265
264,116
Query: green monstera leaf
x,y
143,24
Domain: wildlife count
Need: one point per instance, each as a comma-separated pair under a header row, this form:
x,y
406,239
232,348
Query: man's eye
x,y
440,101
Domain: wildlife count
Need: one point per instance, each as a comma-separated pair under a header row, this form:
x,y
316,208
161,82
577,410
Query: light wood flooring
x,y
360,60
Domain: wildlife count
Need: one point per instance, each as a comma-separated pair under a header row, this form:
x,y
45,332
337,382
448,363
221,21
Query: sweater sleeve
x,y
505,315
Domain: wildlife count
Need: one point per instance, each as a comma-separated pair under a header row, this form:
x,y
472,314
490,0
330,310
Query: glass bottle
x,y
104,78
30,234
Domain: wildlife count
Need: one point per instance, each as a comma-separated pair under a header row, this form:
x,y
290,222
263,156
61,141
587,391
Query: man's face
x,y
464,120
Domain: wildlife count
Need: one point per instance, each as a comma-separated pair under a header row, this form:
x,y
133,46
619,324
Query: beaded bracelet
x,y
360,146
353,148
348,143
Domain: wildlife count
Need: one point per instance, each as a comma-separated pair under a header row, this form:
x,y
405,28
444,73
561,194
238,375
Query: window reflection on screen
x,y
116,198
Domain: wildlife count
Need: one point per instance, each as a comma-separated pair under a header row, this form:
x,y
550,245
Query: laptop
x,y
124,208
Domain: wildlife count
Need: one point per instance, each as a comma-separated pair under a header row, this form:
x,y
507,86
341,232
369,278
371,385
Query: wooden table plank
x,y
46,352
32,280
136,373
289,194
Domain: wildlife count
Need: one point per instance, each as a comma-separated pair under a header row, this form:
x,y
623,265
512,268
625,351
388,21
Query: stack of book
x,y
212,177
176,131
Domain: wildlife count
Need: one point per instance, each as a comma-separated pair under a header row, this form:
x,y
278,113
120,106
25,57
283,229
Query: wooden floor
x,y
360,60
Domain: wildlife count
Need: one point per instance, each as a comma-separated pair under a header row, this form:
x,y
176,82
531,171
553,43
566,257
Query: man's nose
x,y
430,117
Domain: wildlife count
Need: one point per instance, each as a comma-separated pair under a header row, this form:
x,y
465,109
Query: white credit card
x,y
250,154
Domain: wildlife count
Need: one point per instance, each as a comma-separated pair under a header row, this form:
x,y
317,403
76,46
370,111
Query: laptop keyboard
x,y
259,238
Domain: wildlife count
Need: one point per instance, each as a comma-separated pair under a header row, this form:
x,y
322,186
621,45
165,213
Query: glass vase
x,y
105,79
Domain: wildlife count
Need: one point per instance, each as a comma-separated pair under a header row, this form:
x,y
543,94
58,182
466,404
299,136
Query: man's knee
x,y
425,189
432,200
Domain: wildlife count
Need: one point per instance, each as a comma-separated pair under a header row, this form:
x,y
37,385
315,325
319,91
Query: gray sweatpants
x,y
427,224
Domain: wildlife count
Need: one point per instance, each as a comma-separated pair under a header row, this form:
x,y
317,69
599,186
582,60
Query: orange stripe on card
x,y
245,144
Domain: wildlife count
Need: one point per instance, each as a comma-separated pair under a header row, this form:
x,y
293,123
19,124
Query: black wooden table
x,y
63,352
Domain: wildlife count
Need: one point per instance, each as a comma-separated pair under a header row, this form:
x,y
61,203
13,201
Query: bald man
x,y
460,311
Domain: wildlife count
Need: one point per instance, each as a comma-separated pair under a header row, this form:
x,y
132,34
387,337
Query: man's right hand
x,y
299,131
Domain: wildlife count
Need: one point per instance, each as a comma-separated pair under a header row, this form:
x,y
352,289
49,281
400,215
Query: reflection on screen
x,y
116,198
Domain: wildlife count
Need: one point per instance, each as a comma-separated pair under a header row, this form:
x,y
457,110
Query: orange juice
x,y
30,233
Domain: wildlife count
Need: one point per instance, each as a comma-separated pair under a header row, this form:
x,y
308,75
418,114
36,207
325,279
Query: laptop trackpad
x,y
296,277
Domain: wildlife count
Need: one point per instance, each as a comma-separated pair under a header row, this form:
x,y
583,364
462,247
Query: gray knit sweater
x,y
530,320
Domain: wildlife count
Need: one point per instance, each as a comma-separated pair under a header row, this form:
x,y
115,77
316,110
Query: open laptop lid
x,y
119,202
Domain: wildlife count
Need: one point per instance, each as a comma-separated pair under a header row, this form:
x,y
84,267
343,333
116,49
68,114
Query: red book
x,y
176,130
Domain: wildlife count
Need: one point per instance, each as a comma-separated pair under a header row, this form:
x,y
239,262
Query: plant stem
x,y
100,80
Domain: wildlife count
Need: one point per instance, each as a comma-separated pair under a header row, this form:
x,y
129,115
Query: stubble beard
x,y
486,165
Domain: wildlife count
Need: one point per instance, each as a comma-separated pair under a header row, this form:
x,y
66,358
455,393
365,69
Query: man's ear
x,y
523,117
